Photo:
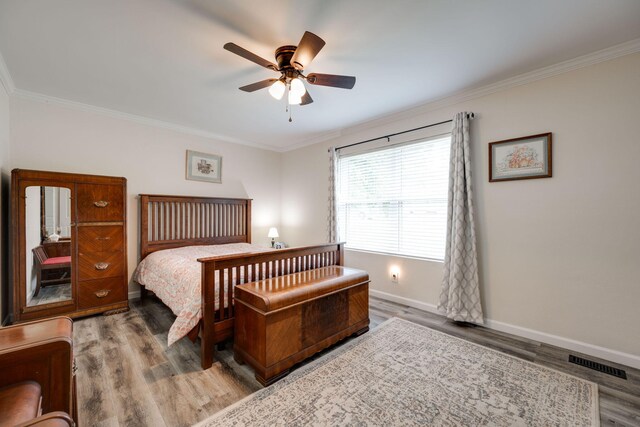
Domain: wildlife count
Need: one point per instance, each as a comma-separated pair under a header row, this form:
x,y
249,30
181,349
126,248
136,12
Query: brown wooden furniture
x,y
175,221
52,419
57,249
98,248
40,352
52,263
283,320
20,406
19,403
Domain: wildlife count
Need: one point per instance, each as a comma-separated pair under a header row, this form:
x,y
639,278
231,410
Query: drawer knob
x,y
101,204
103,293
102,266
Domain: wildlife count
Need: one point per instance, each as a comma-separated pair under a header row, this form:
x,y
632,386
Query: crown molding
x,y
38,97
5,77
326,136
623,49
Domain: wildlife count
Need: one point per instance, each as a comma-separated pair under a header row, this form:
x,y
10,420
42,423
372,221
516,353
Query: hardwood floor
x,y
128,377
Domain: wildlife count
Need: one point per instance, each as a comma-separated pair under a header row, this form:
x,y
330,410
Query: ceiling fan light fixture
x,y
293,99
277,89
291,62
297,88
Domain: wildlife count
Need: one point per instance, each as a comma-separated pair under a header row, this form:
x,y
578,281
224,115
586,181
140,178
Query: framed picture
x,y
520,158
204,167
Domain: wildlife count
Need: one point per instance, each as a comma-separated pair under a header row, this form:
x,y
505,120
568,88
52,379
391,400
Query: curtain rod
x,y
470,115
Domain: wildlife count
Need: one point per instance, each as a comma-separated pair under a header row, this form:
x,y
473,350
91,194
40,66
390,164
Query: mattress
x,y
174,275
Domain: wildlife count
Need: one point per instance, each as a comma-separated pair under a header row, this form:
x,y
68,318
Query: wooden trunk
x,y
283,320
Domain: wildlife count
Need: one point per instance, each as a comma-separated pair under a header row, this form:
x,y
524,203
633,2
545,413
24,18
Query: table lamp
x,y
273,233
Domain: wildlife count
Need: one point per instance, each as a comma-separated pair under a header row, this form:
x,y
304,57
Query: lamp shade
x,y
273,233
294,100
297,88
277,89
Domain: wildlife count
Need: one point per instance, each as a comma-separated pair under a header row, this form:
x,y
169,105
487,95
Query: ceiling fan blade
x,y
306,99
344,82
307,49
258,85
234,48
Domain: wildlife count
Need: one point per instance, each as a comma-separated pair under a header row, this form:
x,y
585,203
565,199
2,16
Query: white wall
x,y
5,180
558,256
58,138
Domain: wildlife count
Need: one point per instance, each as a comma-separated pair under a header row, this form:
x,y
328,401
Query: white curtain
x,y
460,294
332,217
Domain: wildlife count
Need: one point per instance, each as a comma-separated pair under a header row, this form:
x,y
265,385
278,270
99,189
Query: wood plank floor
x,y
128,377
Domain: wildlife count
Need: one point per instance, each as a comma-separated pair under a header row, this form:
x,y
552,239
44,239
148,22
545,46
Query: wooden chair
x,y
20,406
50,270
36,374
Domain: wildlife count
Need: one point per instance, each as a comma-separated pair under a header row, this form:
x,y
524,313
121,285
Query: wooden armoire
x,y
86,216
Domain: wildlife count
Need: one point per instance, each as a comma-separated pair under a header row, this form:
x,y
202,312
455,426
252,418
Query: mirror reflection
x,y
48,244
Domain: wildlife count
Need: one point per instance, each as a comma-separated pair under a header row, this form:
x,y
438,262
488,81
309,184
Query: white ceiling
x,y
163,59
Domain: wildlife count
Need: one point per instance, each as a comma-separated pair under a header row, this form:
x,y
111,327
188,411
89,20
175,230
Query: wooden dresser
x,y
94,208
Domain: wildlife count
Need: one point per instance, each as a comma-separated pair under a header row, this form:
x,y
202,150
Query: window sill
x,y
441,261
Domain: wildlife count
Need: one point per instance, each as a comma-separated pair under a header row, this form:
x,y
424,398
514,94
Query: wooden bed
x,y
175,221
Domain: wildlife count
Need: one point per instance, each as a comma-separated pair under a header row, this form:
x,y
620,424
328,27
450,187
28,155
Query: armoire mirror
x,y
48,244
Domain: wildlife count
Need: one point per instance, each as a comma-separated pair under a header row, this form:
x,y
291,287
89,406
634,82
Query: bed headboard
x,y
174,221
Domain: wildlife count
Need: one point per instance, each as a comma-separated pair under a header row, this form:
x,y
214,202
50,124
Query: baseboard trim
x,y
133,295
615,356
406,301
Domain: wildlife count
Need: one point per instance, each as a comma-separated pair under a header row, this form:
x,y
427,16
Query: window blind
x,y
394,199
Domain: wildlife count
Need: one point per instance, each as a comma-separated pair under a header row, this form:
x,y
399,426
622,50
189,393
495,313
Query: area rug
x,y
406,374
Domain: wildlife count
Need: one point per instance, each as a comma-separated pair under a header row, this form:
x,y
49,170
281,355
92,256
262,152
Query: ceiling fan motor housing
x,y
283,56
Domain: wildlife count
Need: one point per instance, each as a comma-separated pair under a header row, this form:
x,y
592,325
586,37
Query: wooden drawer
x,y
100,238
100,203
100,265
94,293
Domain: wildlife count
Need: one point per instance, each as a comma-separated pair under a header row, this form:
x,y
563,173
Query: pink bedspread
x,y
174,276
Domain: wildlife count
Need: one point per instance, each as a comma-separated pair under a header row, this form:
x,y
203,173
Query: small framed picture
x,y
528,157
204,167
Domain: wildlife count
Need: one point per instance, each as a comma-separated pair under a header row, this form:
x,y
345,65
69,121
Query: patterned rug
x,y
406,374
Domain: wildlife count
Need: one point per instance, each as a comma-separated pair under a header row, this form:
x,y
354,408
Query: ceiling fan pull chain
x,y
289,106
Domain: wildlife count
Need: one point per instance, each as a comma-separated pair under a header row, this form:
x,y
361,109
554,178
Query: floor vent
x,y
598,366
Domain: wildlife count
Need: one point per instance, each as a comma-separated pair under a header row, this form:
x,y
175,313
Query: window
x,y
394,199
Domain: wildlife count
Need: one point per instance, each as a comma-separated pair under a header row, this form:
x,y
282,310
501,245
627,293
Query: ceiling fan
x,y
291,62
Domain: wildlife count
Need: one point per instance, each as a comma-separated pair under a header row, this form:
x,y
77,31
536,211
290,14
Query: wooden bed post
x,y
144,237
248,222
207,339
340,254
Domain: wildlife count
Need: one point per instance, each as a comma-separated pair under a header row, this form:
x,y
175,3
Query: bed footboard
x,y
232,270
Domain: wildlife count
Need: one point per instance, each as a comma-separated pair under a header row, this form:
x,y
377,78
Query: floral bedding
x,y
174,276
